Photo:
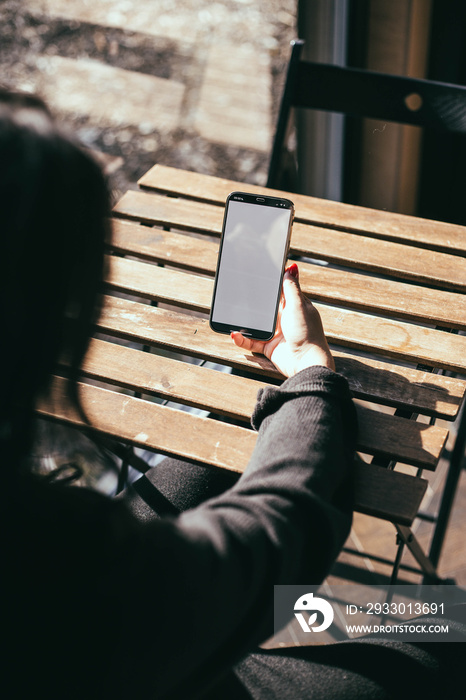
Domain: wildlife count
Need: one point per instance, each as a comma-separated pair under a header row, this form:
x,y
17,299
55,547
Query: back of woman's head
x,y
54,206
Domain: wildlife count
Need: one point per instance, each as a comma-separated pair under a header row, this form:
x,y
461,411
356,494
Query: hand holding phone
x,y
253,249
299,341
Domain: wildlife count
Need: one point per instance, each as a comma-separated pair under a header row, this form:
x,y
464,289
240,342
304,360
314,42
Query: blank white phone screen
x,y
249,274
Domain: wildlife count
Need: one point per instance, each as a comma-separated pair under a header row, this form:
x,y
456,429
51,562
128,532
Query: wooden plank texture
x,y
386,494
435,235
380,434
321,283
369,378
394,496
151,426
345,327
401,387
395,339
166,247
349,249
234,395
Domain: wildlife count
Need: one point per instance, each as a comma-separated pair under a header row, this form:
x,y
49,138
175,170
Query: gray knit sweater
x,y
101,605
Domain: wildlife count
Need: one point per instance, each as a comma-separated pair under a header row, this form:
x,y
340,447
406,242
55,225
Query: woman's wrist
x,y
312,358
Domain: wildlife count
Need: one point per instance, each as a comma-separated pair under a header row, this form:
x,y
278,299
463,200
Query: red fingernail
x,y
293,270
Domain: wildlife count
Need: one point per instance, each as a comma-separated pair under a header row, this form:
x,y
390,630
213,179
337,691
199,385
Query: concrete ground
x,y
189,83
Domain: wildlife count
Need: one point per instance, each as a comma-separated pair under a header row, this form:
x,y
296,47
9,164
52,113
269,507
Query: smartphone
x,y
253,248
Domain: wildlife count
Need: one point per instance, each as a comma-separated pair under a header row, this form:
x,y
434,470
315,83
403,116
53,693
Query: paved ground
x,y
190,83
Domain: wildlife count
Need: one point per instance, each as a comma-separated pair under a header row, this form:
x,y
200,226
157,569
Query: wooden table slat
x,y
393,385
402,387
403,440
394,339
435,235
345,327
149,425
386,494
348,249
188,252
320,283
380,434
390,496
178,332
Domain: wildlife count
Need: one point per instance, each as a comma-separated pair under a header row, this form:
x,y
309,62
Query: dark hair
x,y
54,208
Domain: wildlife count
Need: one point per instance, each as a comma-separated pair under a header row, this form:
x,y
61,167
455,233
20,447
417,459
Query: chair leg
x,y
407,536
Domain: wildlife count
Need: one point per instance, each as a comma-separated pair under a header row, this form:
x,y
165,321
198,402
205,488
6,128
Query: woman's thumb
x,y
291,288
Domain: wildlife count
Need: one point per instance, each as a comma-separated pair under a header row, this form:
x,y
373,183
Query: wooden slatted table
x,y
395,285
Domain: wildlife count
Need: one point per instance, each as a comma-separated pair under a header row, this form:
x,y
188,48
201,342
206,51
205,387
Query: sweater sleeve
x,y
214,568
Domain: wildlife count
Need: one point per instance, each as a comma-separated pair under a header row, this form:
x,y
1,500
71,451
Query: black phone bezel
x,y
260,200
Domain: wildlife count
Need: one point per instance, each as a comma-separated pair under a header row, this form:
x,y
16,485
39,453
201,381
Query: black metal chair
x,y
362,93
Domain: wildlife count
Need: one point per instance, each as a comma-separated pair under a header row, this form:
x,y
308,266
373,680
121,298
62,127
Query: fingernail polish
x,y
293,270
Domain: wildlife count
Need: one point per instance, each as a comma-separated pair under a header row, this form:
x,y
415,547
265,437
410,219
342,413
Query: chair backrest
x,y
364,93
